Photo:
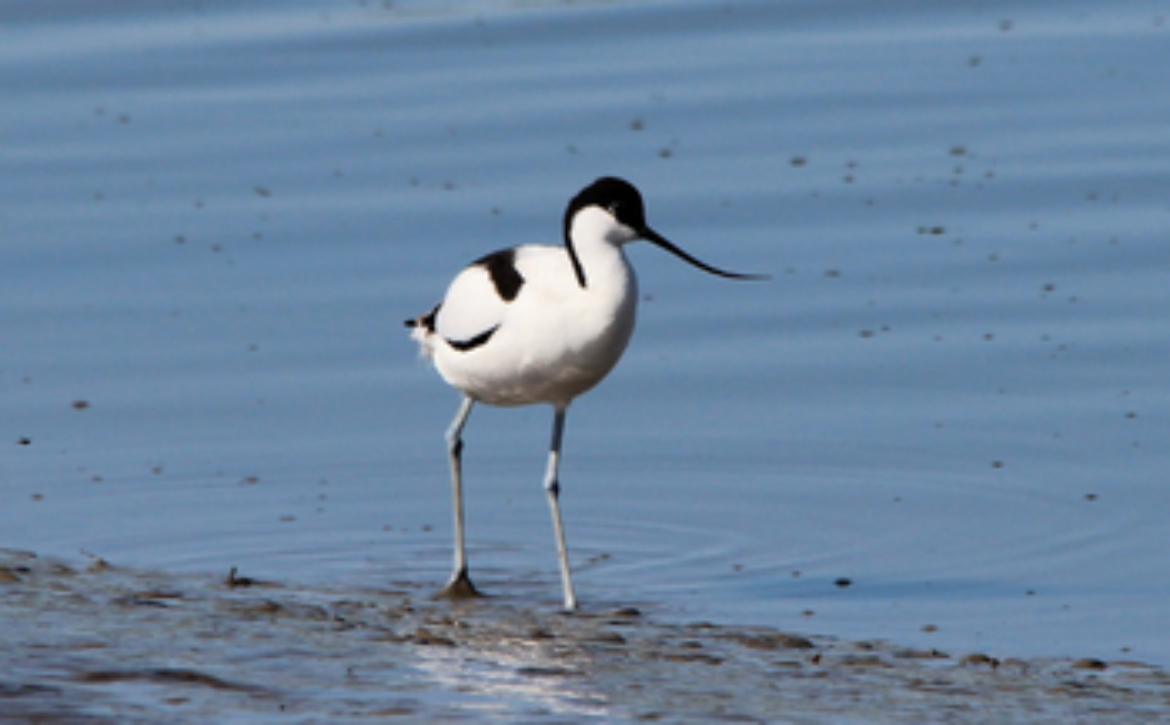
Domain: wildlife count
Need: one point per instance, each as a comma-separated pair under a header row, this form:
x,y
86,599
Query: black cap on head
x,y
618,196
624,201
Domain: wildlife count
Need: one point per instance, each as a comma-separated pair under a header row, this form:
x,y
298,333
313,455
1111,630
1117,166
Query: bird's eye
x,y
613,209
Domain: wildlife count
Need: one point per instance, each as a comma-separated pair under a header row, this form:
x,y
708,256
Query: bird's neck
x,y
595,243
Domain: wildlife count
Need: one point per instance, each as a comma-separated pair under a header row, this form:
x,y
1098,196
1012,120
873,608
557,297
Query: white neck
x,y
597,241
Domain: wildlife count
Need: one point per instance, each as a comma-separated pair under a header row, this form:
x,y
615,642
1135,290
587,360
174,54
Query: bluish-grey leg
x,y
460,584
553,488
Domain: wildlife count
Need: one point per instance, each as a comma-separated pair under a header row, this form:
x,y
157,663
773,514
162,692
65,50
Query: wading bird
x,y
541,324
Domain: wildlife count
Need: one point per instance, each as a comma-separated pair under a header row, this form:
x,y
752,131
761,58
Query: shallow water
x,y
105,644
953,393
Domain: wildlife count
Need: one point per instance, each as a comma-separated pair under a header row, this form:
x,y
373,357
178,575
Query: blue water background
x,y
953,393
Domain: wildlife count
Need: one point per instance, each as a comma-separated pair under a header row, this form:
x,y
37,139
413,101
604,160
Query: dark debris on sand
x,y
102,644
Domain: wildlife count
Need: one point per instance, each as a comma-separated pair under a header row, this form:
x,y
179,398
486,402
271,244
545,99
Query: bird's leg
x,y
553,488
460,585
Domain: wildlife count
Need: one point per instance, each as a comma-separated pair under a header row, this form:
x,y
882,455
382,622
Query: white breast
x,y
553,341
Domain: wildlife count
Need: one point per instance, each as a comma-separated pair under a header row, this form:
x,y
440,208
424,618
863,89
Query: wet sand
x,y
88,641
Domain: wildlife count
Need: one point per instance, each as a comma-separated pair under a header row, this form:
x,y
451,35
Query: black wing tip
x,y
426,321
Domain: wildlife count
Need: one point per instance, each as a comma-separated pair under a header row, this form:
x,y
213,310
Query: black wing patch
x,y
480,339
427,321
501,266
507,280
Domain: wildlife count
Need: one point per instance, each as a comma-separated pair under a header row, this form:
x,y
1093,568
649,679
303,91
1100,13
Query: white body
x,y
556,339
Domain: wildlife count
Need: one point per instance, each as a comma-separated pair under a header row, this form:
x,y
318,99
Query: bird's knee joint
x,y
455,445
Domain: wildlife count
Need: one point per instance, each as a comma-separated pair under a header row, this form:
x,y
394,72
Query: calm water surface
x,y
953,393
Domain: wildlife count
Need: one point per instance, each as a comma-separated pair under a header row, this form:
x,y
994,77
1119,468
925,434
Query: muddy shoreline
x,y
92,642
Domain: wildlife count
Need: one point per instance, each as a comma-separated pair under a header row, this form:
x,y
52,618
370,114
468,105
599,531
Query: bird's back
x,y
548,339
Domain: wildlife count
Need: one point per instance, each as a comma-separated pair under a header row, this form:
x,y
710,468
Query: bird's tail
x,y
423,332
